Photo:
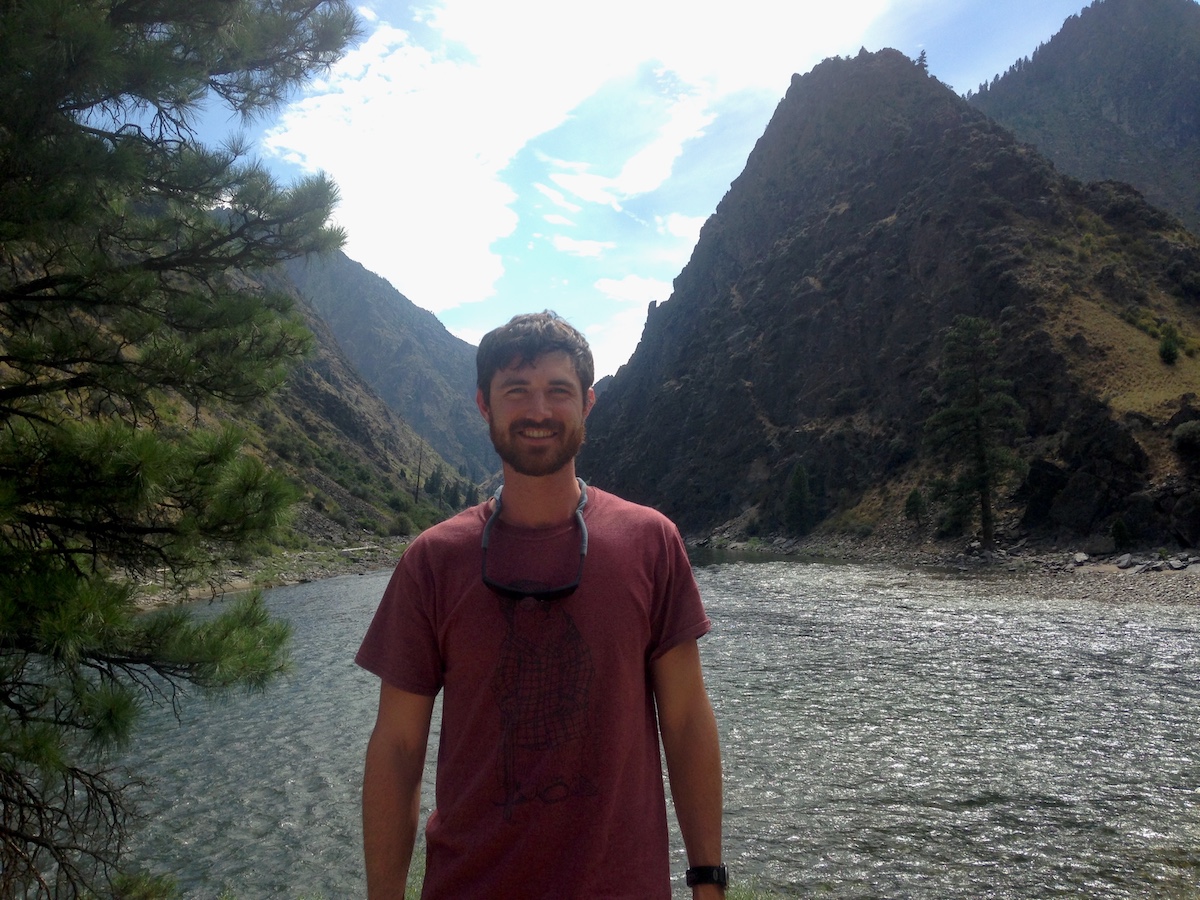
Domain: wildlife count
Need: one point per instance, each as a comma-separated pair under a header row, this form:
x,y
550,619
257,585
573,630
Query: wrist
x,y
709,881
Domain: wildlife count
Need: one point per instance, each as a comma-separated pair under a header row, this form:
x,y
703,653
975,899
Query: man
x,y
560,624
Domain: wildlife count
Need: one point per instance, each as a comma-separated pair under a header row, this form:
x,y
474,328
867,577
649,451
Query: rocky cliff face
x,y
422,371
1114,95
877,207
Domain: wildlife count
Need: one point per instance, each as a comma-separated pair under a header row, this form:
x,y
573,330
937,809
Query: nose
x,y
539,405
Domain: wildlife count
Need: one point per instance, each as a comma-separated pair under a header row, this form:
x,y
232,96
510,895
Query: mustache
x,y
554,424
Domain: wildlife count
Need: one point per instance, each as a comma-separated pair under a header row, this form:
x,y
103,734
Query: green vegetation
x,y
1171,341
800,512
973,425
128,306
1185,441
1169,344
915,507
1136,55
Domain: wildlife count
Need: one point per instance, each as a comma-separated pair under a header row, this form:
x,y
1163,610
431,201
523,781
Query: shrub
x,y
1185,441
1169,345
1121,535
914,506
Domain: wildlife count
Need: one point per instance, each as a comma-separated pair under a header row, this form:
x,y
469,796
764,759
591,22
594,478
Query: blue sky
x,y
496,158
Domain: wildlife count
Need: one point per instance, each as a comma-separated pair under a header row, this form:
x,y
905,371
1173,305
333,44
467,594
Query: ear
x,y
588,402
484,409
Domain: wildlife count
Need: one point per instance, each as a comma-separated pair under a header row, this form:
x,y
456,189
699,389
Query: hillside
x,y
354,461
806,328
424,373
1114,95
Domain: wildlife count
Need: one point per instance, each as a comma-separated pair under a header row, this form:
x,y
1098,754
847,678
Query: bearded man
x,y
560,624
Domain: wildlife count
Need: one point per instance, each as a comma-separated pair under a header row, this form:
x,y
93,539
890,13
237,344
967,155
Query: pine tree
x,y
977,418
435,483
128,301
799,505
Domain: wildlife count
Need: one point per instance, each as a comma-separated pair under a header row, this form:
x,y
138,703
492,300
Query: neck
x,y
540,501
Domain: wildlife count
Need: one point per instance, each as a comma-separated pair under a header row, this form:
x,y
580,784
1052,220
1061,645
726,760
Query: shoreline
x,y
1147,576
286,568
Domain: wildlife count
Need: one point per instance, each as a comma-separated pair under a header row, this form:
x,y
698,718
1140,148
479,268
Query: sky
x,y
495,158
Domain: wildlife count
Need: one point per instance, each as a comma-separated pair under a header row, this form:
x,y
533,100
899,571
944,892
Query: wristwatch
x,y
707,875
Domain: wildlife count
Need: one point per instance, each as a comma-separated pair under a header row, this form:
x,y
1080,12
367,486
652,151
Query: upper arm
x,y
678,682
402,721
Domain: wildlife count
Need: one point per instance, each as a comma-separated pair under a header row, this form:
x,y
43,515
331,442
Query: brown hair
x,y
523,340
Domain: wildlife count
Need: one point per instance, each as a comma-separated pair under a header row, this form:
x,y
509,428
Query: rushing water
x,y
885,735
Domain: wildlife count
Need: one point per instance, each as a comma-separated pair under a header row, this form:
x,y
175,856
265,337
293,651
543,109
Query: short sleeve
x,y
679,613
401,643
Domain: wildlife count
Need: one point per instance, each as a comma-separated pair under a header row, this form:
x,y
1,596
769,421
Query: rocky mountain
x,y
807,327
1114,95
361,471
422,371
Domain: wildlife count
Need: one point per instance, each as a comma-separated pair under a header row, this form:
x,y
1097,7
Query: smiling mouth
x,y
536,432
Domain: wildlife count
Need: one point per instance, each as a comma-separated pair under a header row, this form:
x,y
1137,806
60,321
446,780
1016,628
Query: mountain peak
x,y
877,207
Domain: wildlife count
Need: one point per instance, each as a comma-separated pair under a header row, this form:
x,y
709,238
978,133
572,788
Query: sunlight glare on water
x,y
893,734
885,734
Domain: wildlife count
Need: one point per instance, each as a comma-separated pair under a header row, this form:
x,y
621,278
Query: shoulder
x,y
451,534
632,516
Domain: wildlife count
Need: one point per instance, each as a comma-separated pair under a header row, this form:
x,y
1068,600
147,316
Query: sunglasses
x,y
516,591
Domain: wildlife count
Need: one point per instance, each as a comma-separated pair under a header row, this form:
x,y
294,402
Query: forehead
x,y
553,366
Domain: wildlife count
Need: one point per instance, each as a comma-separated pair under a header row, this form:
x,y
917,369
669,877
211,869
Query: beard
x,y
541,460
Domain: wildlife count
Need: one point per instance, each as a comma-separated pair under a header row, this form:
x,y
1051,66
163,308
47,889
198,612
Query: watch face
x,y
707,875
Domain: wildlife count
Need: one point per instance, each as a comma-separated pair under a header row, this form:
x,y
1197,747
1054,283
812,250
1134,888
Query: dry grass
x,y
1121,361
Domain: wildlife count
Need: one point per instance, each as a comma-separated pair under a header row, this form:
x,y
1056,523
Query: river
x,y
886,734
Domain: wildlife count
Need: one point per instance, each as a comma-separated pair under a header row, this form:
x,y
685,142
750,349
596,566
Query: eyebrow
x,y
516,380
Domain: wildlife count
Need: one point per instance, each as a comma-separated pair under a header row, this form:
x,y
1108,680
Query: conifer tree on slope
x,y
976,419
127,254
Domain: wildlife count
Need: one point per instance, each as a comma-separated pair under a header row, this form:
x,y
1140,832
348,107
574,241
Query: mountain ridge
x,y
423,372
1114,95
876,207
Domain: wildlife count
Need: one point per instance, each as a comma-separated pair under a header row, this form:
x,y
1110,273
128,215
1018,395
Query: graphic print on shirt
x,y
542,684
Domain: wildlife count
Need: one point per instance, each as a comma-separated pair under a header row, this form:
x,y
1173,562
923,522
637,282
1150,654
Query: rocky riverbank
x,y
1150,575
284,568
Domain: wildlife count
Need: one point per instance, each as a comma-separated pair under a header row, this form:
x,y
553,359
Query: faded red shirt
x,y
549,783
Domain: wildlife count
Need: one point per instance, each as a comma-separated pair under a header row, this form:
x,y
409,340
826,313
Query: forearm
x,y
391,806
694,766
693,751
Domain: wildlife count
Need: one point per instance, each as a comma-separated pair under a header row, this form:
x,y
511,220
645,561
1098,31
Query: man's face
x,y
535,414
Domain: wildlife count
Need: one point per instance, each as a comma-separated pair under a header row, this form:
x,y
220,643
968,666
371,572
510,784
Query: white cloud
x,y
651,166
587,186
420,138
556,219
614,340
634,289
642,172
575,247
676,225
471,334
557,198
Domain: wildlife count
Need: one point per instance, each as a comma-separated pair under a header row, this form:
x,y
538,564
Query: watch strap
x,y
706,875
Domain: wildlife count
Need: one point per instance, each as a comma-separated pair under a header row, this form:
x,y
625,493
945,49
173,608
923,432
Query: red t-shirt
x,y
549,783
